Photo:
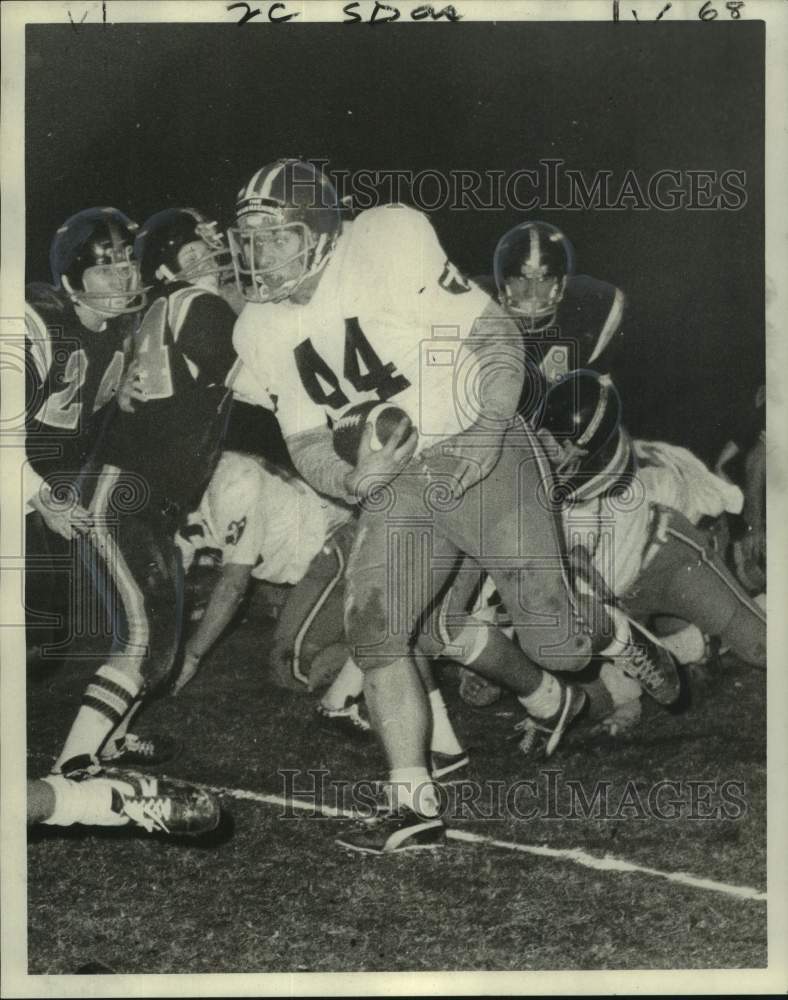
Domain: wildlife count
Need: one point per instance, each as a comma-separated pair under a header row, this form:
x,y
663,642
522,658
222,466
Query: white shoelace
x,y
148,812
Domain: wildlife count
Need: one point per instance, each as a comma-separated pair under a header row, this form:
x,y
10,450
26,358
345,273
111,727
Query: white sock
x,y
413,787
687,646
348,683
88,802
444,739
621,688
105,702
545,700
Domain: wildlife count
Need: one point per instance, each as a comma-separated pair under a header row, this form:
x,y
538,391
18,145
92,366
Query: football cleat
x,y
444,764
547,733
393,831
80,768
646,660
163,804
476,690
137,750
347,721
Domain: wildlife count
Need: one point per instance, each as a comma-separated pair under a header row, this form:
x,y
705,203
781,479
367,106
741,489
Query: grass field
x,y
273,894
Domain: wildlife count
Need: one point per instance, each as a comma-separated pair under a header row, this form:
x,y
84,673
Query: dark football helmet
x,y
99,241
164,235
592,454
285,197
532,264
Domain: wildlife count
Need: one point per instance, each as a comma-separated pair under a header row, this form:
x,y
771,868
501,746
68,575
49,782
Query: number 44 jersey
x,y
71,375
388,320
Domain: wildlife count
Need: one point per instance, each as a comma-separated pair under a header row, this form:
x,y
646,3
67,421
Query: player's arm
x,y
495,354
204,334
316,461
222,606
65,517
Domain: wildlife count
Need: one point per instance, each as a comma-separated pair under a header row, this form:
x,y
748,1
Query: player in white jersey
x,y
343,313
267,524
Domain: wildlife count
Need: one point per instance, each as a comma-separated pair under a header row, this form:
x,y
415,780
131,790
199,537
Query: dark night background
x,y
142,117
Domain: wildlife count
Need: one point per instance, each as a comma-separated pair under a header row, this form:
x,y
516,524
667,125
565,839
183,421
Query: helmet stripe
x,y
268,181
599,413
534,255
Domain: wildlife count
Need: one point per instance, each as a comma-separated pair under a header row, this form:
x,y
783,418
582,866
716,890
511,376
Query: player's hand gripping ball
x,y
349,428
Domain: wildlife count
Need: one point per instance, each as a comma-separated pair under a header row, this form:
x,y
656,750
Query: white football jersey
x,y
617,532
387,322
261,518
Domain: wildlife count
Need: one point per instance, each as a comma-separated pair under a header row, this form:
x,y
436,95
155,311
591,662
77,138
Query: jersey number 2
x,y
322,385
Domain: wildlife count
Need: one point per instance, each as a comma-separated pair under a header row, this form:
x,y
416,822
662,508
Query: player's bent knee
x,y
371,640
746,636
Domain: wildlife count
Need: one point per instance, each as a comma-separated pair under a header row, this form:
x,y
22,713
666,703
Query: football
x,y
348,429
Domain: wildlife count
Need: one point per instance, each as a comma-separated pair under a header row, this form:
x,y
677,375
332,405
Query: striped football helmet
x,y
532,263
288,221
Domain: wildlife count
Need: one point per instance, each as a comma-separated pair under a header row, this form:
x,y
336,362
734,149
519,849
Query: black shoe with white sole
x,y
546,734
445,764
647,661
394,831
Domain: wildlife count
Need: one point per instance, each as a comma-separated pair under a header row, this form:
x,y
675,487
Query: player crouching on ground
x,y
629,512
267,524
340,314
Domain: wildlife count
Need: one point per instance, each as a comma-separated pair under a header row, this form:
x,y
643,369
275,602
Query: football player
x,y
630,511
267,524
343,313
157,456
635,505
77,335
569,320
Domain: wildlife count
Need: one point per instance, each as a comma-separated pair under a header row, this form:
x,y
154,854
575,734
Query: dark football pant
x,y
49,571
412,535
685,576
138,574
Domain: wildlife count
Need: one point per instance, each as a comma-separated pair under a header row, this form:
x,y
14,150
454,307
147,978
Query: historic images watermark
x,y
548,795
548,185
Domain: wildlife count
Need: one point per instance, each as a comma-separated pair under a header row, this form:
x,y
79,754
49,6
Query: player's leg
x,y
482,646
686,577
559,621
510,528
48,561
397,565
447,755
153,559
122,800
139,572
311,617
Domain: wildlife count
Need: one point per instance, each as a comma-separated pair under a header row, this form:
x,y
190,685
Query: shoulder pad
x,y
589,293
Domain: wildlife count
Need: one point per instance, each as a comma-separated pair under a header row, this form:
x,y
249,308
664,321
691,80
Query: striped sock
x,y
106,701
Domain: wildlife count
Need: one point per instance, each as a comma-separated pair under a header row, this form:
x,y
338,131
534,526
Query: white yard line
x,y
575,855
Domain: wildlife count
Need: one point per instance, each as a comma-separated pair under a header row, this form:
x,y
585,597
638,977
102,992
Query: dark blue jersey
x,y
72,375
184,352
